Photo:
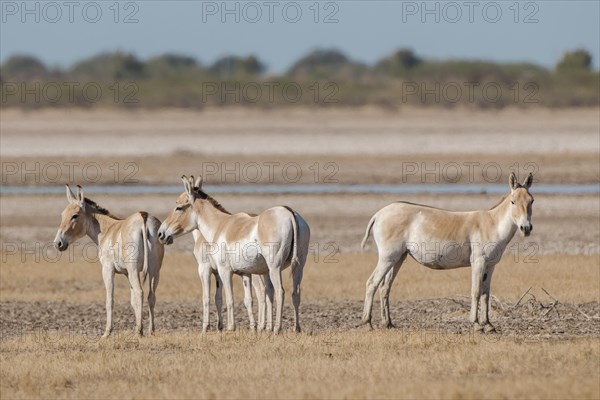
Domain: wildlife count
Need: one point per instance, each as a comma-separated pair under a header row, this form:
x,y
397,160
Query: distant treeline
x,y
324,78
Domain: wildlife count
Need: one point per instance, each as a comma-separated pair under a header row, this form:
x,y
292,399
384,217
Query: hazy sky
x,y
279,32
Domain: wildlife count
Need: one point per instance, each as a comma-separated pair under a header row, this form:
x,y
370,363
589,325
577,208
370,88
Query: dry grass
x,y
349,364
568,278
342,365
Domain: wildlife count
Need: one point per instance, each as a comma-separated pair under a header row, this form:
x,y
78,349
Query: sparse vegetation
x,y
69,361
324,77
23,68
575,60
379,364
240,67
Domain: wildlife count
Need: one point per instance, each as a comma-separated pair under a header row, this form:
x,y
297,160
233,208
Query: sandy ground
x,y
531,321
52,147
439,169
545,297
299,132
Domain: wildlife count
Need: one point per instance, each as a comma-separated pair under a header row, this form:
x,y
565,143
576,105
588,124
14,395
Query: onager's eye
x,y
512,202
180,208
74,217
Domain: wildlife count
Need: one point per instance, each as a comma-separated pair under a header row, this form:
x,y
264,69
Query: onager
x,y
244,244
441,239
125,246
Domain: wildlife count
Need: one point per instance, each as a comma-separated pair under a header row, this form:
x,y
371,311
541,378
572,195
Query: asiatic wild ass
x,y
441,239
244,244
125,246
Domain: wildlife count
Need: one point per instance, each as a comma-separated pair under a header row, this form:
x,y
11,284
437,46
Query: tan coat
x,y
442,239
127,246
244,244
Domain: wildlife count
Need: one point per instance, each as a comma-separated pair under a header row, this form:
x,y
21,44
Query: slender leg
x,y
269,293
259,291
108,274
246,280
485,299
152,298
219,300
157,259
204,274
275,275
384,264
384,293
477,272
226,276
303,248
137,299
296,280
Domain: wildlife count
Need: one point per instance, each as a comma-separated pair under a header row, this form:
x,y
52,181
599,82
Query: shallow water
x,y
579,189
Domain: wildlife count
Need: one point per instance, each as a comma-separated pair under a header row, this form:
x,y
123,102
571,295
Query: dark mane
x,y
99,209
212,201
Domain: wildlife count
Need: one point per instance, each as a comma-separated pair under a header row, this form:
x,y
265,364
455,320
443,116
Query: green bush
x,y
232,66
326,78
110,66
23,68
574,61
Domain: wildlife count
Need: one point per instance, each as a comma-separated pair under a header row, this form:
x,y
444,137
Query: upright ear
x,y
198,183
80,197
512,181
186,184
528,181
70,195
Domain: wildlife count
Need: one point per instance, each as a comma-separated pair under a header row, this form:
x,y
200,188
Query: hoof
x,y
389,325
478,328
489,328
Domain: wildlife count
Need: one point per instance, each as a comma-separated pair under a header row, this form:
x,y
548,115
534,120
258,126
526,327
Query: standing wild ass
x,y
441,239
125,246
244,244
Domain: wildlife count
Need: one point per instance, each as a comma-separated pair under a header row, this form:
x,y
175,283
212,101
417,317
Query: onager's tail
x,y
368,232
295,261
145,239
